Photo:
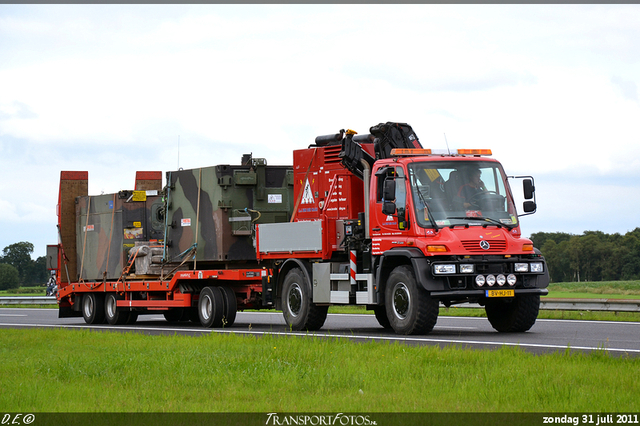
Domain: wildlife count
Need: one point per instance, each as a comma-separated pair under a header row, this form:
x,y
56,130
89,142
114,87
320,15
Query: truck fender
x,y
405,256
286,266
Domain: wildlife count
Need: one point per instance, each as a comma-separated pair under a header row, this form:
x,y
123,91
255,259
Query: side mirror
x,y
529,206
389,190
389,196
529,189
388,208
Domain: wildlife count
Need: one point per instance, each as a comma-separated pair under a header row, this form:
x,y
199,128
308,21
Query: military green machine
x,y
215,208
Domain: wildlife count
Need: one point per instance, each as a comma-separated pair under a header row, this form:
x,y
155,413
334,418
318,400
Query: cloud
x,y
17,110
629,89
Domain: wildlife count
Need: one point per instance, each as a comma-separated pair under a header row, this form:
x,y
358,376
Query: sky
x,y
111,89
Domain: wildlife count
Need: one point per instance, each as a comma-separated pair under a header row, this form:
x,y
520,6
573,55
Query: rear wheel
x,y
409,307
114,315
381,315
211,307
298,311
230,306
514,315
93,308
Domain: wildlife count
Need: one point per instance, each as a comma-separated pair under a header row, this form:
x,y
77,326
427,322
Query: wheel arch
x,y
391,260
287,266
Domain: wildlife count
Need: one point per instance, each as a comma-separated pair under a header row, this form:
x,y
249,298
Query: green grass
x,y
24,291
58,370
602,289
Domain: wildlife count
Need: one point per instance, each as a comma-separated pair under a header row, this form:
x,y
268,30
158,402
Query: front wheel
x,y
298,311
515,315
410,309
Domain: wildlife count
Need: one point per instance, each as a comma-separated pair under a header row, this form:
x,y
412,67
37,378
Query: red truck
x,y
374,220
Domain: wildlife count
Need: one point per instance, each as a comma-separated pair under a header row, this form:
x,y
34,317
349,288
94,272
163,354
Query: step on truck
x,y
373,220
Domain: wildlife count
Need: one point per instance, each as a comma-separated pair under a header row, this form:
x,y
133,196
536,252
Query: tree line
x,y
18,269
592,256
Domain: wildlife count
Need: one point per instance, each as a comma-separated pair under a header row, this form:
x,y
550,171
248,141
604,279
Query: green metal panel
x,y
216,208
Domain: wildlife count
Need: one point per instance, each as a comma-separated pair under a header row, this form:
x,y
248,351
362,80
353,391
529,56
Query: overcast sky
x,y
111,89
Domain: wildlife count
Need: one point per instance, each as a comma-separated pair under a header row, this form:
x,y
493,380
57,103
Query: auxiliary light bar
x,y
426,151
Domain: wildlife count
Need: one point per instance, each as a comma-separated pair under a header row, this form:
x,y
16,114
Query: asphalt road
x,y
546,336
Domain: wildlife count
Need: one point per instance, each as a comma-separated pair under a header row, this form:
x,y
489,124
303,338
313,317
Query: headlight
x,y
480,280
444,269
521,267
511,279
491,280
501,280
537,267
466,269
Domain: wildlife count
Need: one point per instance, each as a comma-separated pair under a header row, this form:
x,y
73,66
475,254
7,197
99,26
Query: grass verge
x,y
82,371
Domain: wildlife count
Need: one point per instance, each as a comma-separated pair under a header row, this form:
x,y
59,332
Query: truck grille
x,y
474,246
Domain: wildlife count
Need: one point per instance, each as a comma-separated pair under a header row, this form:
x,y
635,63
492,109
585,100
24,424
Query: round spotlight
x,y
491,280
501,280
511,279
480,280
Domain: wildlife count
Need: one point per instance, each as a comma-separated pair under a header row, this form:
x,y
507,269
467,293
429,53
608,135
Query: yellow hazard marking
x,y
139,196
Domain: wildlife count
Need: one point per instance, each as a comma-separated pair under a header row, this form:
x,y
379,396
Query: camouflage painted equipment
x,y
109,225
215,209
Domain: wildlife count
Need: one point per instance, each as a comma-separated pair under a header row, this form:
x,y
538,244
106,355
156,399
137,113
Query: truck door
x,y
384,223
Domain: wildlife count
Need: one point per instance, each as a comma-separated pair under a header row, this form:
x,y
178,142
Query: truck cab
x,y
451,219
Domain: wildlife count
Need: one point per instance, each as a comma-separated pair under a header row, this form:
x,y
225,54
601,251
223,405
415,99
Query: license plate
x,y
500,293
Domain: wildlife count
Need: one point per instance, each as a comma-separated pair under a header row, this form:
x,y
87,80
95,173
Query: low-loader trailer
x,y
373,220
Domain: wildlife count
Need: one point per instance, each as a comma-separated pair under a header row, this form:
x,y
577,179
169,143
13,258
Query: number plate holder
x,y
500,293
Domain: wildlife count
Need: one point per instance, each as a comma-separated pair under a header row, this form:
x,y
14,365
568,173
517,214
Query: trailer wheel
x,y
230,306
93,308
298,311
114,315
211,307
174,315
190,314
133,317
409,307
513,315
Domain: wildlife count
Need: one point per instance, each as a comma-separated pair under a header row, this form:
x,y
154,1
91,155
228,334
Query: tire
x,y
381,315
190,314
113,315
230,308
133,317
211,307
410,309
515,315
298,311
174,314
93,308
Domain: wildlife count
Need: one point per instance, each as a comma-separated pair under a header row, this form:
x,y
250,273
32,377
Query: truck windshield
x,y
461,193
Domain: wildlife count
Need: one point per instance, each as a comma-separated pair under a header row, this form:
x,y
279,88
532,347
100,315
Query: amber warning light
x,y
410,151
474,152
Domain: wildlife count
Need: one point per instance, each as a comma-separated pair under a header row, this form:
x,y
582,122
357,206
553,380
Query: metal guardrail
x,y
28,300
611,305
